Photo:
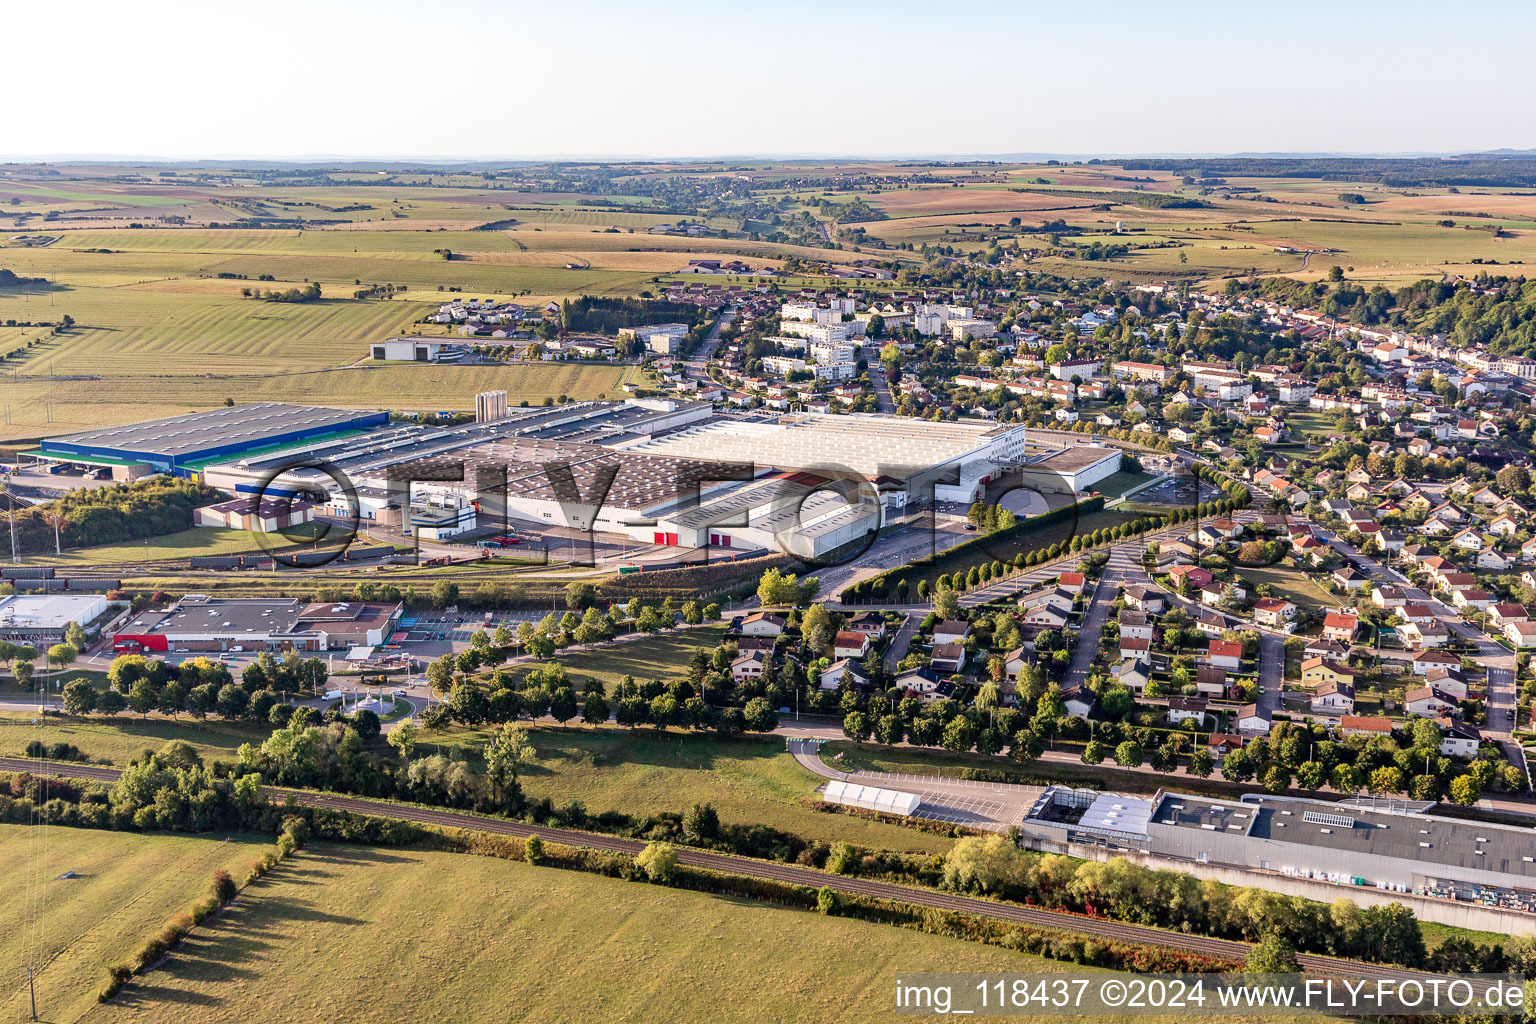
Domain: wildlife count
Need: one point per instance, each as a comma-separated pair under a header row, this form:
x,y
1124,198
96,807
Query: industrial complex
x,y
204,624
182,445
1397,848
663,472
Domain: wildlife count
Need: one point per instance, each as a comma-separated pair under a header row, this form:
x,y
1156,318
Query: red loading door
x,y
659,538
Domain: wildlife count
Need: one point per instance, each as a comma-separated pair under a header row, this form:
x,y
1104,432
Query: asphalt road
x,y
1072,923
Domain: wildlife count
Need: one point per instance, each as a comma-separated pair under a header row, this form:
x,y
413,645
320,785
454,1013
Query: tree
x,y
508,748
659,862
946,604
79,697
1093,752
1129,754
1464,790
760,716
62,655
232,700
579,595
1346,778
1513,479
1274,954
701,825
468,704
1026,746
1201,763
142,698
816,628
562,705
1311,775
1387,779
982,864
594,710
533,850
959,735
856,726
403,738
110,702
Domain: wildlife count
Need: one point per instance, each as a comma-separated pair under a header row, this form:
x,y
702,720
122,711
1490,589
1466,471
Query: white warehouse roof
x,y
870,798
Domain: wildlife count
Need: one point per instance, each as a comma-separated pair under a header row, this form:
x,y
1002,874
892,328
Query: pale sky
x,y
505,78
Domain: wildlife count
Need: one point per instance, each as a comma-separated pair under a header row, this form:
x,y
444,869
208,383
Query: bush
x,y
658,860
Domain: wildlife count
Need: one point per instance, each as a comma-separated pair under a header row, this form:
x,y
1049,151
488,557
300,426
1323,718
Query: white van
x,y
335,694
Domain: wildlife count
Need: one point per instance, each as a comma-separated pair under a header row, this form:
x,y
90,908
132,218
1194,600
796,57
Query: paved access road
x,y
1072,923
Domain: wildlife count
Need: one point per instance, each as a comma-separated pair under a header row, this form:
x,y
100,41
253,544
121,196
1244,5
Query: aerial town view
x,y
595,531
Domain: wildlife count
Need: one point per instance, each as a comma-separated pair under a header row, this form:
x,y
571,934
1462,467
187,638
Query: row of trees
x,y
109,515
1125,891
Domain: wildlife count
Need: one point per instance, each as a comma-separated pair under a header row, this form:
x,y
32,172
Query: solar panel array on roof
x,y
177,436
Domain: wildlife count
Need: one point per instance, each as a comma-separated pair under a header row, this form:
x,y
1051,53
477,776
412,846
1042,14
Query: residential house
x,y
1357,725
762,624
1457,739
1145,599
850,643
1185,709
951,631
833,675
1210,680
1227,654
1521,634
1341,626
948,658
1137,625
1252,720
1428,702
1133,674
1419,636
1079,701
1273,612
1430,659
748,666
1334,698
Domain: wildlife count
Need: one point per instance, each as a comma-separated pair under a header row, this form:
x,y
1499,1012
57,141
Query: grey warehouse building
x,y
1398,849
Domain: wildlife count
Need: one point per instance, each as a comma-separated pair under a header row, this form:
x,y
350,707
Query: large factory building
x,y
1393,847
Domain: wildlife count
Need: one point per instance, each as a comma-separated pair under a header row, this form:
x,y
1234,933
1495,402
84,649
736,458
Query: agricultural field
x,y
135,259
321,939
72,929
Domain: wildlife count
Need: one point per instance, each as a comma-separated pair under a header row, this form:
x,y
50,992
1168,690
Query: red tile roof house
x,y
1226,654
850,643
1340,626
1359,725
1273,611
1197,576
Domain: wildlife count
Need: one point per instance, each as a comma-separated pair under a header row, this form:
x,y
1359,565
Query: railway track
x,y
1076,924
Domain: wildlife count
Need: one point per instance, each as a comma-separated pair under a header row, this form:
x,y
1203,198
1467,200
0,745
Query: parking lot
x,y
1177,492
976,811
